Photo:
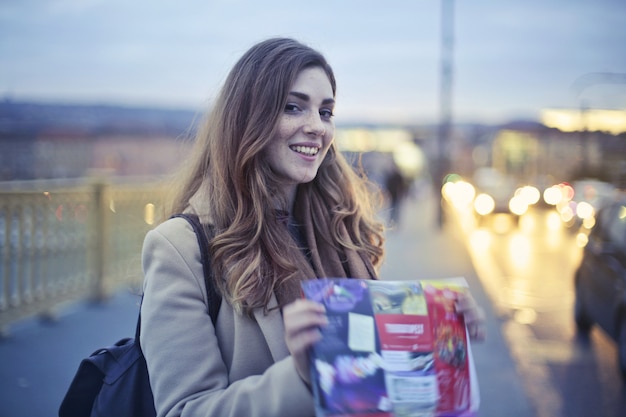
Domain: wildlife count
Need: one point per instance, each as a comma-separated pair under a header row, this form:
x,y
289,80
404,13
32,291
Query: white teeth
x,y
306,150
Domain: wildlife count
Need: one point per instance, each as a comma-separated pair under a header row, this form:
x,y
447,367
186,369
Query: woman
x,y
285,207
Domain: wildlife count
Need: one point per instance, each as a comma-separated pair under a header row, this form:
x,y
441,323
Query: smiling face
x,y
305,130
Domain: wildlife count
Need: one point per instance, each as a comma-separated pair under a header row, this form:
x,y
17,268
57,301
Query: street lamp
x,y
442,163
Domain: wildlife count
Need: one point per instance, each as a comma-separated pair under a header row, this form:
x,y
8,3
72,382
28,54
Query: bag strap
x,y
215,300
202,232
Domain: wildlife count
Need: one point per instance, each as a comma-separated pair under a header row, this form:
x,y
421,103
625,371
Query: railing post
x,y
99,226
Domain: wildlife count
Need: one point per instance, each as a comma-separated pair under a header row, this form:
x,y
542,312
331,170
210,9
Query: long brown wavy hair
x,y
249,250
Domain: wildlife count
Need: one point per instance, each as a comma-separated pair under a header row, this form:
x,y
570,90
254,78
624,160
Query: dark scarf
x,y
324,260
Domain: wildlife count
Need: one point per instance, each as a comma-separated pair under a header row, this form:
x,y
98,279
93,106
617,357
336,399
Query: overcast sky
x,y
511,58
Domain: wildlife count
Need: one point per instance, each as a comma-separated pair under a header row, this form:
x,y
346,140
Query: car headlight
x,y
518,205
552,195
584,210
484,204
529,193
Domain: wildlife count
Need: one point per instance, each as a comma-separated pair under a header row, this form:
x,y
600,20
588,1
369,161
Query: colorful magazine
x,y
392,349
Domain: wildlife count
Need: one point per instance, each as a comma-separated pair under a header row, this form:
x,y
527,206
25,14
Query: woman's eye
x,y
326,113
290,108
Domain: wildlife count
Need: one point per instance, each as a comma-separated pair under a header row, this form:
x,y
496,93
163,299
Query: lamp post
x,y
442,163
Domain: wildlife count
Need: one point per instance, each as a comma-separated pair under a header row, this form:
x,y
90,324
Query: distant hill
x,y
29,119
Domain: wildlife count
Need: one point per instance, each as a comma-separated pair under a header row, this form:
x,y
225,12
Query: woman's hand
x,y
303,318
473,314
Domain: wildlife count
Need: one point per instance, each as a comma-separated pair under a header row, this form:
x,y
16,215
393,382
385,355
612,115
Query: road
x,y
527,271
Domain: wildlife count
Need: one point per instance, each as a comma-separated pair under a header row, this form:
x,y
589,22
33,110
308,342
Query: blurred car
x,y
595,192
578,202
600,280
498,186
499,193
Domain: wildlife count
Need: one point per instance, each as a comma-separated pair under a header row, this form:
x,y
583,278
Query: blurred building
x,y
381,150
534,153
42,141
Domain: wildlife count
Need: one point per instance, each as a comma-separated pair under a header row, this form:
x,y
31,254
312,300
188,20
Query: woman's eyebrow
x,y
305,97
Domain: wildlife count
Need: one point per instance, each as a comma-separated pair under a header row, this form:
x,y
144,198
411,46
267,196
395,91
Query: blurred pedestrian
x,y
397,187
285,206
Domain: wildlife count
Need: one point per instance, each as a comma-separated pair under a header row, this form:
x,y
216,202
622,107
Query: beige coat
x,y
240,369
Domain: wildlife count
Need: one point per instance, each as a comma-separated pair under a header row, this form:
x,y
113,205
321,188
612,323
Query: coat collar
x,y
199,204
273,328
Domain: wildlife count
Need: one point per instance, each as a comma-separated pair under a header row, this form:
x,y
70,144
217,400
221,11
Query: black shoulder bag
x,y
113,381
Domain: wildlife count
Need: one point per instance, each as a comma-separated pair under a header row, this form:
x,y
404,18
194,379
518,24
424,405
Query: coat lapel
x,y
273,329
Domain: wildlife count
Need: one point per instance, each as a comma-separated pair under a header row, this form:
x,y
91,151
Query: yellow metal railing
x,y
64,242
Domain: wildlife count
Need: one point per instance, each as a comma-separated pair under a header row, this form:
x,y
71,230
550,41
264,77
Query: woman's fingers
x,y
303,319
474,316
303,315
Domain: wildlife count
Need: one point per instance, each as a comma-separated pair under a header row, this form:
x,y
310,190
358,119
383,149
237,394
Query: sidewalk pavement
x,y
39,359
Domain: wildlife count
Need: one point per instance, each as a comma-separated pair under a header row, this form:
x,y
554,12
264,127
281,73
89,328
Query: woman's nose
x,y
314,125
